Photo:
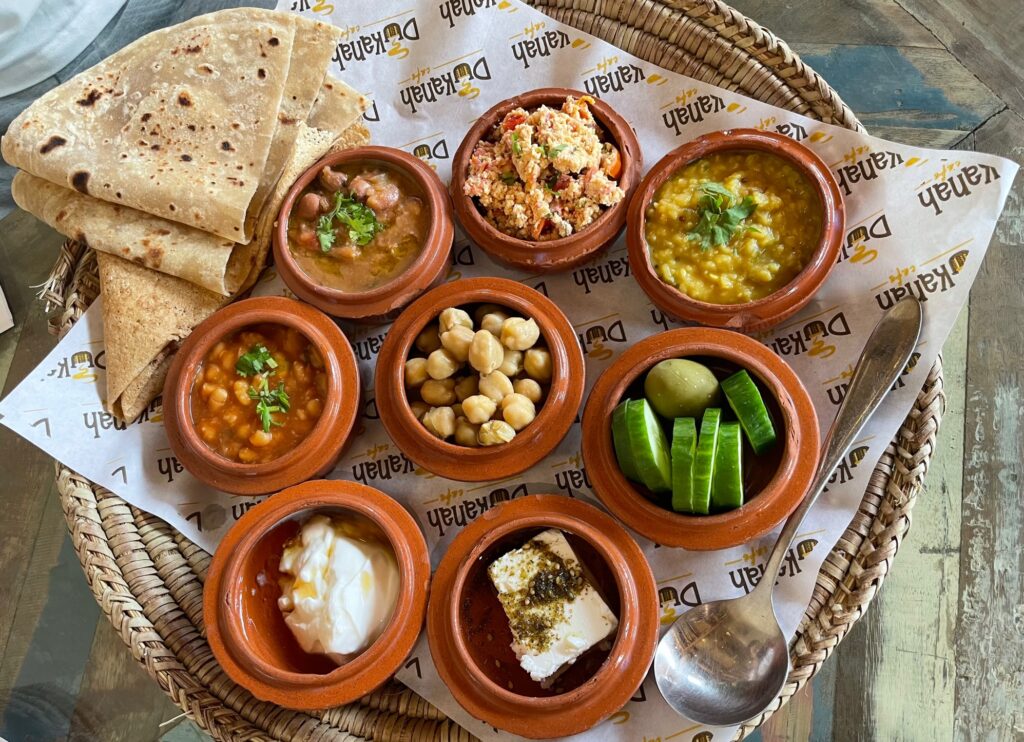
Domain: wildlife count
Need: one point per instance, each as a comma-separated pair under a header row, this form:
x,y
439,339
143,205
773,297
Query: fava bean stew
x,y
358,225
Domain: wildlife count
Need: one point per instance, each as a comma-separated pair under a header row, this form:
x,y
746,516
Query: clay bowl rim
x,y
772,504
626,562
785,300
377,662
483,463
435,247
564,251
336,421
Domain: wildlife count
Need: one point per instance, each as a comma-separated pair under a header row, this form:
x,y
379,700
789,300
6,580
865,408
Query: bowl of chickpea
x,y
479,379
263,395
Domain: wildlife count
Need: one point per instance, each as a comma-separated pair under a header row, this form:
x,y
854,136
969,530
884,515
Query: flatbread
x,y
179,124
209,261
337,106
146,314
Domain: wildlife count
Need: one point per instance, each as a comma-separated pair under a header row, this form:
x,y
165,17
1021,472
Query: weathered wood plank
x,y
990,650
117,701
879,22
904,88
987,36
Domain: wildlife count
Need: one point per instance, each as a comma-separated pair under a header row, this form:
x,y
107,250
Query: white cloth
x,y
39,37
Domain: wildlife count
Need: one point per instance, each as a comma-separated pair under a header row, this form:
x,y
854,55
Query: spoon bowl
x,y
743,658
724,662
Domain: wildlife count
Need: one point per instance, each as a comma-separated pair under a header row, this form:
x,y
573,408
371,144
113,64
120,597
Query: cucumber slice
x,y
620,441
684,450
648,445
727,484
704,462
746,402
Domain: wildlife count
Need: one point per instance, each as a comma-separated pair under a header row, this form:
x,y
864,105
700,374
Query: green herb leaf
x,y
256,361
362,223
553,152
508,178
517,149
720,215
269,401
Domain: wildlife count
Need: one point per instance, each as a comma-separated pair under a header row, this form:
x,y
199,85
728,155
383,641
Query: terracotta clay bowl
x,y
776,307
469,635
555,415
565,252
314,455
384,302
774,483
247,631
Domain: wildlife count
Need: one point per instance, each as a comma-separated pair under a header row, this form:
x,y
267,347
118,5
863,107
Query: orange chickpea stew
x,y
258,393
358,225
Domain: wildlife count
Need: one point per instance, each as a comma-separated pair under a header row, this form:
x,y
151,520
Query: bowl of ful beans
x,y
479,379
262,395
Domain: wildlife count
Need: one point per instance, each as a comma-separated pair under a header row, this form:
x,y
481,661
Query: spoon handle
x,y
885,355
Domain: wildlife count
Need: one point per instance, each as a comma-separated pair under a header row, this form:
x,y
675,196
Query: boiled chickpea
x,y
457,409
416,372
466,432
457,341
246,455
467,386
512,363
207,389
484,309
438,392
441,364
241,390
537,363
214,374
217,399
429,340
440,421
492,321
260,438
529,389
518,411
496,386
478,408
519,334
314,407
494,433
452,316
419,409
485,352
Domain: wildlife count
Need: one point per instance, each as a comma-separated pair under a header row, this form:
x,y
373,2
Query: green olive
x,y
681,388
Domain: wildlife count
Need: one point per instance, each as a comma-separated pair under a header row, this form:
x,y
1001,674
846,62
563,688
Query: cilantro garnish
x,y
720,215
362,223
256,361
269,401
517,149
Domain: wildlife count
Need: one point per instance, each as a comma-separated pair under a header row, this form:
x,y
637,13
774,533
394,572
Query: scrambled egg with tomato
x,y
545,174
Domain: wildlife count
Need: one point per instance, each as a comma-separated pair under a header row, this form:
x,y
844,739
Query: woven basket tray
x,y
148,579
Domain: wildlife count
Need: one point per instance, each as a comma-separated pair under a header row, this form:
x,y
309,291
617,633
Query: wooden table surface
x,y
939,656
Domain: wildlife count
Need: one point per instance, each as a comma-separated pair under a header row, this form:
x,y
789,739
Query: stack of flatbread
x,y
171,159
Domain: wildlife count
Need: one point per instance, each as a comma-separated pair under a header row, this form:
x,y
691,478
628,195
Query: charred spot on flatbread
x,y
52,143
184,99
80,181
274,41
90,98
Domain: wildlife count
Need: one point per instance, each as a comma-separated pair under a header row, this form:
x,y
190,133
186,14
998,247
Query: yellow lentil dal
x,y
765,253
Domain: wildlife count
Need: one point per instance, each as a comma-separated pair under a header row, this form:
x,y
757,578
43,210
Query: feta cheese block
x,y
553,610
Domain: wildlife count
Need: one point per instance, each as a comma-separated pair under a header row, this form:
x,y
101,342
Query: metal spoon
x,y
723,663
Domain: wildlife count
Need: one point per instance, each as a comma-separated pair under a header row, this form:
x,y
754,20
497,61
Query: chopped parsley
x,y
517,148
553,152
257,361
721,214
268,401
362,223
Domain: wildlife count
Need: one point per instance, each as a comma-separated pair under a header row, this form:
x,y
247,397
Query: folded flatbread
x,y
191,123
207,260
146,313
